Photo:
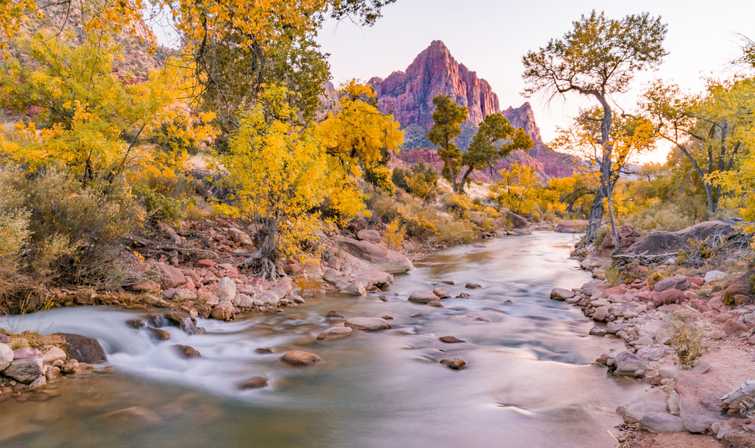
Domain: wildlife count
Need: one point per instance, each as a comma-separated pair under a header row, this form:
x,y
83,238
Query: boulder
x,y
662,242
25,370
83,348
223,311
628,364
371,235
668,297
170,276
385,259
147,286
158,334
333,333
517,221
300,358
714,276
441,293
183,321
52,355
678,281
422,297
6,356
561,294
226,290
740,401
180,294
368,323
255,382
187,351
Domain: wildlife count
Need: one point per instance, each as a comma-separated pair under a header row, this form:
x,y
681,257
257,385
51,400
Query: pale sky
x,y
490,37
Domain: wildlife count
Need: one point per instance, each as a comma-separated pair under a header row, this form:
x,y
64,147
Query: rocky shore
x,y
689,333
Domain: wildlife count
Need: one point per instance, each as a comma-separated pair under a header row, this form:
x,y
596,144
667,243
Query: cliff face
x,y
408,96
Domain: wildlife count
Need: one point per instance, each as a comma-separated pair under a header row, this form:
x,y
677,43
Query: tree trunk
x,y
595,218
264,261
596,213
464,179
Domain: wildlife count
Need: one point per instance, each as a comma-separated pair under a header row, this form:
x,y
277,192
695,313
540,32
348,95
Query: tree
x,y
447,120
518,190
597,58
628,136
711,131
494,140
360,136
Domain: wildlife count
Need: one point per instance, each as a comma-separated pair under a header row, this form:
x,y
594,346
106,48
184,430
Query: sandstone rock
x,y
441,293
668,297
226,290
240,236
53,354
422,297
224,311
158,334
170,276
25,370
385,259
255,382
714,276
299,358
26,352
52,373
180,294
145,286
370,235
187,351
450,340
368,323
243,301
678,281
454,364
6,356
333,333
561,294
628,364
83,348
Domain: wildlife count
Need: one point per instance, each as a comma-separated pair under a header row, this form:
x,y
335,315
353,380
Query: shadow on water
x,y
529,381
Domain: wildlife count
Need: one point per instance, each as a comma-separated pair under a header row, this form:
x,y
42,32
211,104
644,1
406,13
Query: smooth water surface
x,y
529,381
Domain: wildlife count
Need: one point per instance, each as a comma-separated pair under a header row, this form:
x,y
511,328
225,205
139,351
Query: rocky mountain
x,y
408,96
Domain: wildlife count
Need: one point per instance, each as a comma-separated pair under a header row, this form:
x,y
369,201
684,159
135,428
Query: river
x,y
529,381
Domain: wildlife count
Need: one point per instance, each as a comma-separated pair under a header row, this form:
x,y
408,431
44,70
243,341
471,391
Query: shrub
x,y
686,341
394,234
456,232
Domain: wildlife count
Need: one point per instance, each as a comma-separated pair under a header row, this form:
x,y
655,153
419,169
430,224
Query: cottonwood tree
x,y
598,57
711,131
494,140
629,135
447,120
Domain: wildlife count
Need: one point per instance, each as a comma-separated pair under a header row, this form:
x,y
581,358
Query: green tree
x,y
598,57
495,139
447,120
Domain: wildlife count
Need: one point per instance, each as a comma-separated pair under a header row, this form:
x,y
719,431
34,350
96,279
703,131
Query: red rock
x,y
696,281
171,277
668,297
145,286
206,263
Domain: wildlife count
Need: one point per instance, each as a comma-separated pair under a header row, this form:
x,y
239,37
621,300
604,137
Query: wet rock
x,y
255,382
157,320
133,416
598,331
450,340
454,364
422,297
25,370
628,364
83,348
678,281
561,294
368,323
136,323
463,295
385,259
334,315
183,321
6,356
263,350
226,290
223,311
441,293
187,351
300,358
601,313
371,235
334,333
52,373
473,286
158,334
714,276
52,355
436,303
740,401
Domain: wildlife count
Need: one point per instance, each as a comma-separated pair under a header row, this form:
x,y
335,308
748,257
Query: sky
x,y
491,36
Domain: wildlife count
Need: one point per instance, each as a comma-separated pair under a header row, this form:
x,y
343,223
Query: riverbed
x,y
529,380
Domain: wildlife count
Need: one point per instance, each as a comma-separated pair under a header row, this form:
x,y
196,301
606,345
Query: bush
x,y
661,217
394,234
456,232
686,341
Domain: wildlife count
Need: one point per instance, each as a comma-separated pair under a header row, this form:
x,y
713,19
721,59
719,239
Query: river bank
x,y
689,332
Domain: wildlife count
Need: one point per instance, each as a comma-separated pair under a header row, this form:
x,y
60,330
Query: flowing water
x,y
529,382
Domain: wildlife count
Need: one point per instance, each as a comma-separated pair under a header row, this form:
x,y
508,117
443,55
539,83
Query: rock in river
x,y
333,333
450,340
300,358
83,349
187,351
6,356
561,294
25,370
368,323
422,297
255,382
454,364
